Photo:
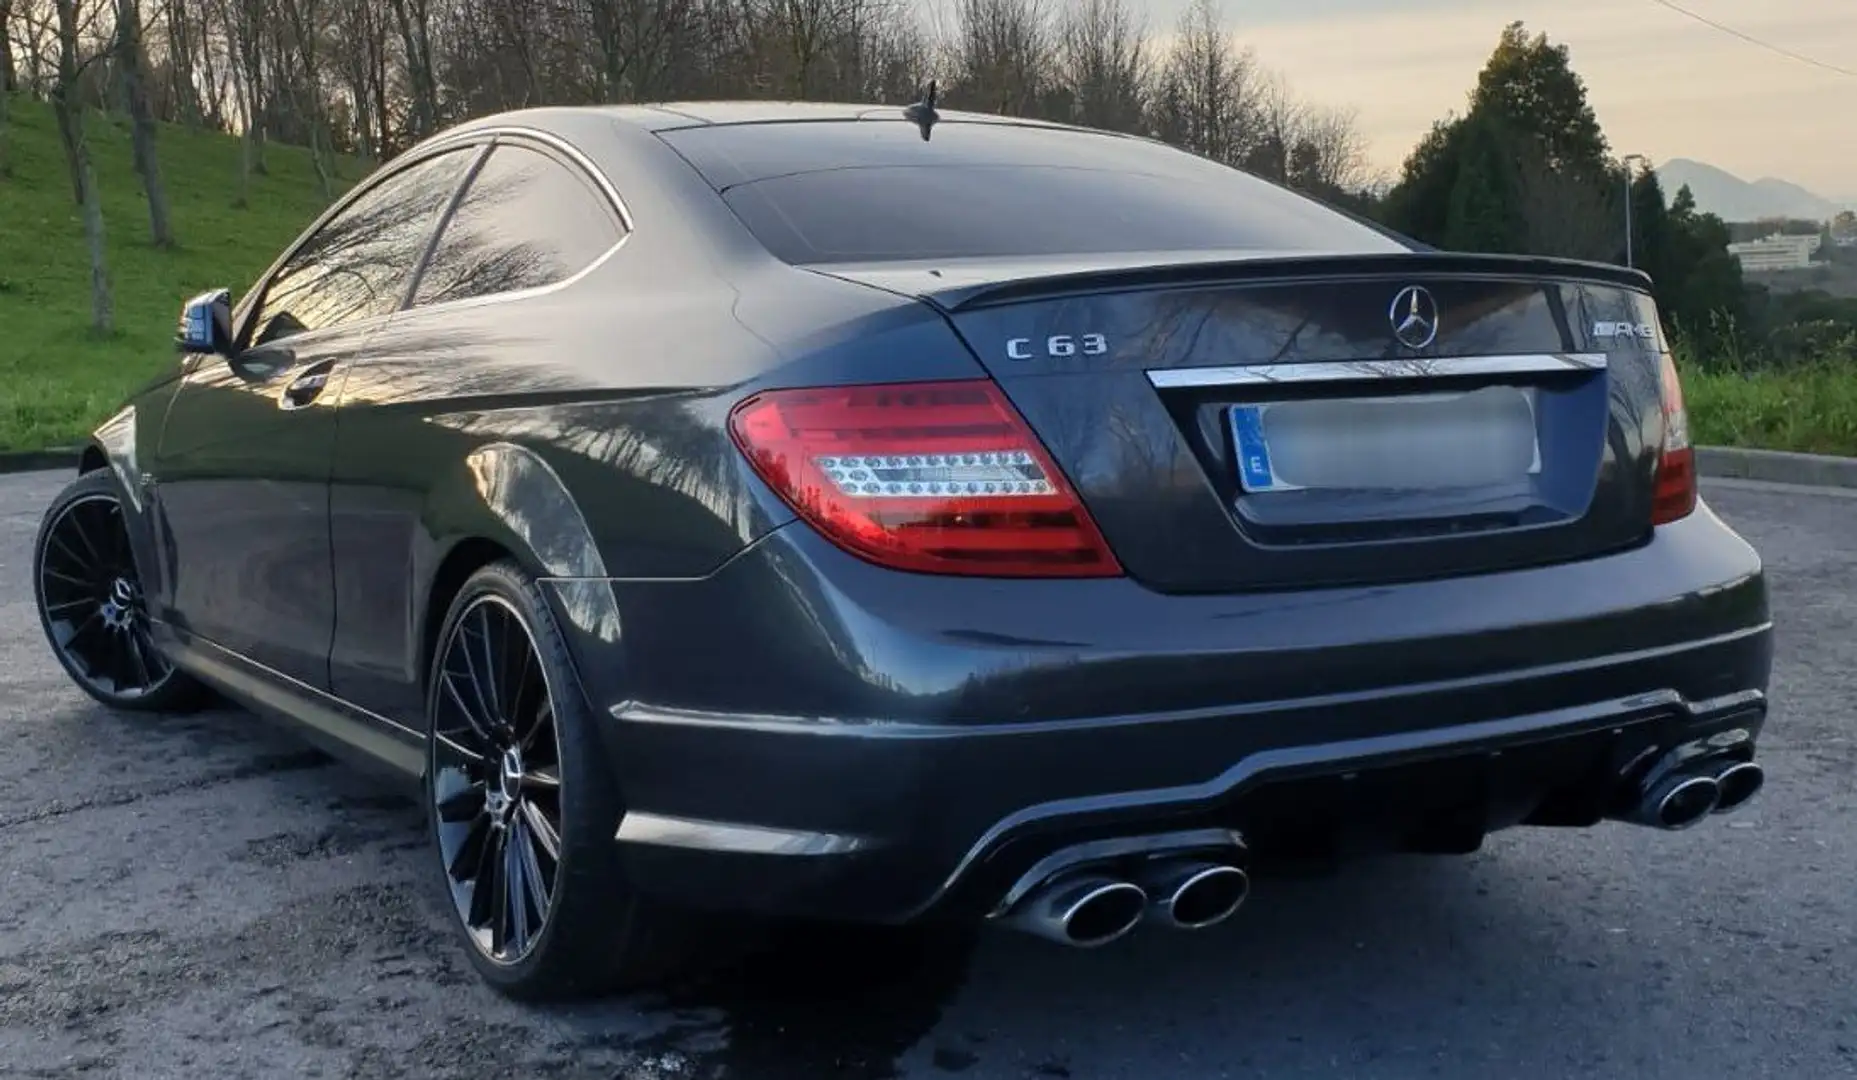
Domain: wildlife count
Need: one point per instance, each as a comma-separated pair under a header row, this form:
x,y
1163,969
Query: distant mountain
x,y
1734,199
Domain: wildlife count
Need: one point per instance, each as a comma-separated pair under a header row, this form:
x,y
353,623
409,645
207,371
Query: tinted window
x,y
873,190
361,261
526,220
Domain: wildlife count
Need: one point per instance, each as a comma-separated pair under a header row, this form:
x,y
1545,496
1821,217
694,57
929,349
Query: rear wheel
x,y
91,607
521,811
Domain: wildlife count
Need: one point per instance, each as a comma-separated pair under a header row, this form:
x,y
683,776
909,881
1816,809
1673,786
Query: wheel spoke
x,y
132,646
150,655
543,779
462,647
462,805
71,556
485,886
520,683
540,884
542,830
83,530
59,575
488,690
494,882
515,898
468,859
471,759
542,721
473,723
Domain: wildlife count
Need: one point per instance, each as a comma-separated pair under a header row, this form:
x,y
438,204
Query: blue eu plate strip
x,y
1253,455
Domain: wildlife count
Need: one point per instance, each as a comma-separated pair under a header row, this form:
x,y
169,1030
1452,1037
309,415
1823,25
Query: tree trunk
x,y
71,135
6,162
9,72
416,38
102,314
77,153
142,121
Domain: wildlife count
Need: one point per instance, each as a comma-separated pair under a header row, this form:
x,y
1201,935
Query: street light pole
x,y
1629,158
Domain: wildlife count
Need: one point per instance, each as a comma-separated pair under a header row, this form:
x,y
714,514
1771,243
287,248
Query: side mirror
x,y
206,323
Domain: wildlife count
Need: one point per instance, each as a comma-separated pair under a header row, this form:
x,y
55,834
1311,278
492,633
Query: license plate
x,y
1429,442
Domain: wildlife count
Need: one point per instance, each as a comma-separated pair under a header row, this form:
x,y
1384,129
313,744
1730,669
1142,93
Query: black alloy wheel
x,y
91,605
523,811
496,780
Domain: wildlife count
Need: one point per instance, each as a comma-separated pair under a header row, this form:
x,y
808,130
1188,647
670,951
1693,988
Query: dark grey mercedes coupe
x,y
881,515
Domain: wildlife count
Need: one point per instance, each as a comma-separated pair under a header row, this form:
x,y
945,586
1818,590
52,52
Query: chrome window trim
x,y
517,134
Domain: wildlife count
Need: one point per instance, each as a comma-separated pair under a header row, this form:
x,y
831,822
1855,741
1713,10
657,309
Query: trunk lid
x,y
1281,422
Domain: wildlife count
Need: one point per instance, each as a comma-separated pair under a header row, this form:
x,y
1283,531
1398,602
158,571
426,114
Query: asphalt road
x,y
203,897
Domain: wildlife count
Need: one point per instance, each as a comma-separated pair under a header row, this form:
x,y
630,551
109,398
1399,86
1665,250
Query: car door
x,y
530,219
242,468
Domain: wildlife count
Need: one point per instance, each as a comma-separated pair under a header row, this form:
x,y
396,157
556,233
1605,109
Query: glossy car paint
x,y
794,729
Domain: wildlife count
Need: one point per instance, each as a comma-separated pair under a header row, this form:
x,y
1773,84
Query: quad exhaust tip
x,y
1193,895
1083,910
1682,800
1738,783
1688,794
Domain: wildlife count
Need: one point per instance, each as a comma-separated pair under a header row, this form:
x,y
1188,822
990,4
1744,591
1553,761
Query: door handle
x,y
307,387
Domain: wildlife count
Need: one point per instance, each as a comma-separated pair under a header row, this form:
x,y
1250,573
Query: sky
x,y
1663,85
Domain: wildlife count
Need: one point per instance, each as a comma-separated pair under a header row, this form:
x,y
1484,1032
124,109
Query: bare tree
x,y
1002,56
299,30
413,18
67,103
1278,120
132,70
1104,66
1330,152
1208,95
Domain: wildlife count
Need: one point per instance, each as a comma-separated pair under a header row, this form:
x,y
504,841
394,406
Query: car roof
x,y
675,115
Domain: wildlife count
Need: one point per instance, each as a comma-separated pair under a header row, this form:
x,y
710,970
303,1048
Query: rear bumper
x,y
803,734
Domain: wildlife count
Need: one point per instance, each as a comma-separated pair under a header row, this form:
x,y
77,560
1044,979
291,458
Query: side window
x,y
360,262
525,221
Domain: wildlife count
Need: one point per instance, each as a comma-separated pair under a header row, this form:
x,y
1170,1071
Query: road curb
x,y
18,461
1777,466
1730,463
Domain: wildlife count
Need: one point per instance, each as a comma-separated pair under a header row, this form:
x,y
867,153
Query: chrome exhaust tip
x,y
1193,895
1083,911
1737,784
1678,801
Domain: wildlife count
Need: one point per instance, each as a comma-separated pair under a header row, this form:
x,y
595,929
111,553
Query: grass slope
x,y
56,380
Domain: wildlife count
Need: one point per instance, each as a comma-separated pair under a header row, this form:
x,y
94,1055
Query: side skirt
x,y
343,730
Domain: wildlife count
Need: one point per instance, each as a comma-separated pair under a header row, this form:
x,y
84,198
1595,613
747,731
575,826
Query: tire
x,y
87,589
597,934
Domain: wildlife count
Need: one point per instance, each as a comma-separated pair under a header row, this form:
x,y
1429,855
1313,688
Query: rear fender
x,y
507,494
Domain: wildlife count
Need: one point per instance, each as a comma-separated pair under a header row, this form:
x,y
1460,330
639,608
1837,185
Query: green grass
x,y
1811,409
57,380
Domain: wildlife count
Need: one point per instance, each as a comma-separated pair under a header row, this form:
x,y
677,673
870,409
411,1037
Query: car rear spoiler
x,y
961,285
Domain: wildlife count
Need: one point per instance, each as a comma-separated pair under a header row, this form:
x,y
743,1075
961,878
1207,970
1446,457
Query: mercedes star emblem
x,y
1414,316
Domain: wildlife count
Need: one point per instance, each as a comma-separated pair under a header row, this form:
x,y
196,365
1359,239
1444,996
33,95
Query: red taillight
x,y
1675,493
940,477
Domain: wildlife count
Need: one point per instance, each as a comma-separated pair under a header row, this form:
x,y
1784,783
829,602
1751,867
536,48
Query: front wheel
x,y
521,810
89,596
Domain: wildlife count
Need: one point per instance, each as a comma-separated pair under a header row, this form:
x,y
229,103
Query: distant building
x,y
1777,252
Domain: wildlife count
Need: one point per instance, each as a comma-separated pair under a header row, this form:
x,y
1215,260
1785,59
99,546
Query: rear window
x,y
872,191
